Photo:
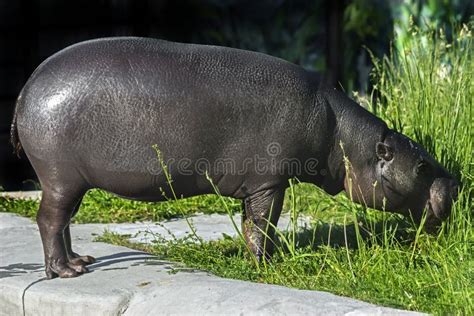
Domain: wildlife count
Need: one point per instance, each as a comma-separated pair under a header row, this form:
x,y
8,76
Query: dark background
x,y
324,36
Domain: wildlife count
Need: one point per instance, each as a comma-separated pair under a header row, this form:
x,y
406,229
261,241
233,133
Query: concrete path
x,y
128,282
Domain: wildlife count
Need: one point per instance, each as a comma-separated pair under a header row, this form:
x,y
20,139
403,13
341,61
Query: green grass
x,y
101,207
426,92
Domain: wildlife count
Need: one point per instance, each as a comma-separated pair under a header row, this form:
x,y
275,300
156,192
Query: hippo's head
x,y
407,181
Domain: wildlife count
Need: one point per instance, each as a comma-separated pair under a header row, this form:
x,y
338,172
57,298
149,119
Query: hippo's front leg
x,y
260,216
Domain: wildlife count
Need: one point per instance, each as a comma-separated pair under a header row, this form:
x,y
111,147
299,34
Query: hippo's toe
x,y
64,271
78,259
78,266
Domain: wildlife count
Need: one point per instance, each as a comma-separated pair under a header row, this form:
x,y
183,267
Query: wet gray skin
x,y
89,115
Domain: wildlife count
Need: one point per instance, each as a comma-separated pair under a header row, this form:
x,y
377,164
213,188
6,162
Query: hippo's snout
x,y
443,192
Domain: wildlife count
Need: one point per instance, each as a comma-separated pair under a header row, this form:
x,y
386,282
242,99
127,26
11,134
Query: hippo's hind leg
x,y
62,190
73,257
261,213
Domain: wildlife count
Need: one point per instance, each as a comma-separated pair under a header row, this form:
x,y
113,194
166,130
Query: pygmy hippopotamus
x,y
238,122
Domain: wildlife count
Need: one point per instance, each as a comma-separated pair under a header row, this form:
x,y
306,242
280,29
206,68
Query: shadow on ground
x,y
339,235
15,269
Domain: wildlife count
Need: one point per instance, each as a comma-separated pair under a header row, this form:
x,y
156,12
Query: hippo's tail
x,y
14,139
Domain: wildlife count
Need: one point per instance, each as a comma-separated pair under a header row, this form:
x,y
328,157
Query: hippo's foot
x,y
77,259
59,268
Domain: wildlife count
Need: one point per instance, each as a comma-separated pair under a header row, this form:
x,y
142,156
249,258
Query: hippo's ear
x,y
384,151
